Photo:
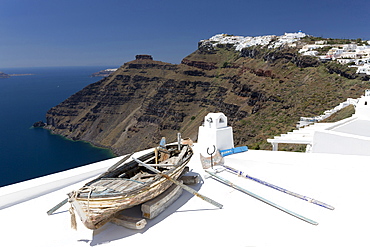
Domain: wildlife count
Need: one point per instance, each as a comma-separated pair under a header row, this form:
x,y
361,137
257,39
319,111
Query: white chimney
x,y
215,132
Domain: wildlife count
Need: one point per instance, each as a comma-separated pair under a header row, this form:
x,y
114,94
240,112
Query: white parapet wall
x,y
363,106
30,189
304,121
340,143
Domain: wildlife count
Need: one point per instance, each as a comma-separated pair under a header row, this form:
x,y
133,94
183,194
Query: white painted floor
x,y
339,180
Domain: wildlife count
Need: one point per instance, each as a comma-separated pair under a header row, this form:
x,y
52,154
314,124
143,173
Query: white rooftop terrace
x,y
338,180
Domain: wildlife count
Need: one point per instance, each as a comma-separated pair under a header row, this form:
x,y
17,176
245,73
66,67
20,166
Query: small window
x,y
365,102
221,120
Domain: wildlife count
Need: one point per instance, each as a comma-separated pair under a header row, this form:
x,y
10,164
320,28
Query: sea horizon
x,y
62,66
27,152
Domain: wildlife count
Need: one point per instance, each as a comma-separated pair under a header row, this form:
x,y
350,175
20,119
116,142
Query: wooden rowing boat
x,y
128,184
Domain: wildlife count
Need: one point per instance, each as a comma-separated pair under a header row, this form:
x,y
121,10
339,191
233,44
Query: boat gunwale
x,y
142,188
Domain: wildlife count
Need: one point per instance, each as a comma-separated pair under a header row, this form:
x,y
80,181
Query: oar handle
x,y
194,192
56,207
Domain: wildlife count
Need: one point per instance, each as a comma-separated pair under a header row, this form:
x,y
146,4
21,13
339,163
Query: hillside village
x,y
355,53
240,42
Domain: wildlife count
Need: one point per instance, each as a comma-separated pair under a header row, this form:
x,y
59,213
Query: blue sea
x,y
27,152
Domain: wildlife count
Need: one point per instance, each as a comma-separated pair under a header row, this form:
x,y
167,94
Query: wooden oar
x,y
59,205
306,198
120,162
187,188
206,163
227,182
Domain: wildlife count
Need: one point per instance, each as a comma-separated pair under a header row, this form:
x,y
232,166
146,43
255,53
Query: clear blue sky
x,y
112,32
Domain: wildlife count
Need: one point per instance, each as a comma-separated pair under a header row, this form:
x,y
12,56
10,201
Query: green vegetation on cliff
x,y
263,92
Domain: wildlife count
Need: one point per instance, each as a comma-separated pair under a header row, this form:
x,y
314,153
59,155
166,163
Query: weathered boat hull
x,y
96,211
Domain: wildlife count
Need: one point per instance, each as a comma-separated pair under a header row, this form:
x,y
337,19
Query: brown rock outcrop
x,y
199,64
144,57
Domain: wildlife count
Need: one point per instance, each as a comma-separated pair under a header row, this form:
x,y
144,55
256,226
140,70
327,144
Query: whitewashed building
x,y
364,69
349,136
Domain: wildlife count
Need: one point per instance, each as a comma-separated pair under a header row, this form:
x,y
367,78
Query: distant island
x,y
4,75
20,74
103,73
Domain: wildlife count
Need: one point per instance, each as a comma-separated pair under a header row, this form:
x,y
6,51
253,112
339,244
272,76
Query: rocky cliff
x,y
263,92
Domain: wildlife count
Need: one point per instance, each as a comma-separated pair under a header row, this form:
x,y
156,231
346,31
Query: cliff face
x,y
262,94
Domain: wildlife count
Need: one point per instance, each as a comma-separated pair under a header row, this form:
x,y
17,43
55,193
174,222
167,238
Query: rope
x,y
74,194
73,218
71,210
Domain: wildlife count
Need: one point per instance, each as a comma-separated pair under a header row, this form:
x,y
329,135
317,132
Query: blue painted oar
x,y
306,198
222,180
236,150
